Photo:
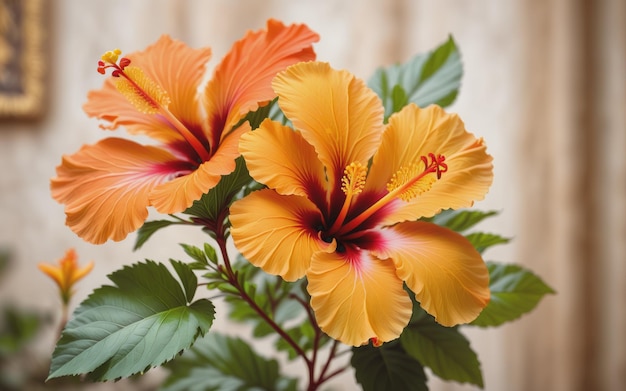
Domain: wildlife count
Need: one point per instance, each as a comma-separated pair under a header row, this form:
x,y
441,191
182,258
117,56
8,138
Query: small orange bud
x,y
66,274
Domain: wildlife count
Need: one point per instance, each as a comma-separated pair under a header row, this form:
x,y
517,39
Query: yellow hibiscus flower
x,y
107,187
344,195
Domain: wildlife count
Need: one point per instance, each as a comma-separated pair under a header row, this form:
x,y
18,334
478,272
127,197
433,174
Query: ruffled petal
x,y
179,194
447,275
174,66
356,297
282,160
277,233
335,111
416,132
105,187
243,78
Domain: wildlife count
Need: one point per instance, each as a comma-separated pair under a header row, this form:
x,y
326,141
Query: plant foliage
x,y
142,321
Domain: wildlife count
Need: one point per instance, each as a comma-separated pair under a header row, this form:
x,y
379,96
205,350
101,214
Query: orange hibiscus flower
x,y
66,274
107,187
344,195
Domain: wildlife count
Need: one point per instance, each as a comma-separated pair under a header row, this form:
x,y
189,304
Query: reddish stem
x,y
232,279
314,384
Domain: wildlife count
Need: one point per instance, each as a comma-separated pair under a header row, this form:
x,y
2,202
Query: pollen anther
x,y
141,91
111,56
353,180
146,95
412,179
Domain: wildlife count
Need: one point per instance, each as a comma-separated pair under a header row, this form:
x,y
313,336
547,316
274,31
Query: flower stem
x,y
232,279
220,231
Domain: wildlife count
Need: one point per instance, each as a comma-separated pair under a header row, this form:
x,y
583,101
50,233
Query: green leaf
x,y
462,220
445,350
304,336
399,98
210,253
186,277
276,114
17,328
482,240
141,322
430,78
148,228
218,362
215,201
256,117
514,292
387,367
195,253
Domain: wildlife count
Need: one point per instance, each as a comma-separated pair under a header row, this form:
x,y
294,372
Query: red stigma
x,y
124,62
118,69
436,164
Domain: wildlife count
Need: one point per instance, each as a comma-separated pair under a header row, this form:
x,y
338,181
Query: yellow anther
x,y
352,183
411,180
353,180
144,93
111,56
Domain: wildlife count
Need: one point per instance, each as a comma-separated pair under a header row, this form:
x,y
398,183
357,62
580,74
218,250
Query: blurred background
x,y
544,83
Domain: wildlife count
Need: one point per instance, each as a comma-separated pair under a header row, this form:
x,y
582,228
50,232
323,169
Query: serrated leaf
x,y
141,322
429,78
218,362
462,220
483,240
187,278
210,253
216,200
195,253
387,367
444,349
514,292
148,229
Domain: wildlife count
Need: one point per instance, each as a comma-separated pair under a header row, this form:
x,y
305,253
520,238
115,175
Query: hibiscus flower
x,y
107,187
344,196
66,274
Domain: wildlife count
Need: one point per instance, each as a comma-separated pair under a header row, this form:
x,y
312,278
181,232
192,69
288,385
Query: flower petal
x,y
105,187
79,273
179,194
243,77
281,159
335,111
277,233
178,69
447,274
416,132
53,272
356,297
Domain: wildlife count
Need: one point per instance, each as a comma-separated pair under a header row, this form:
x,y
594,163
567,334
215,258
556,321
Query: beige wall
x,y
544,84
